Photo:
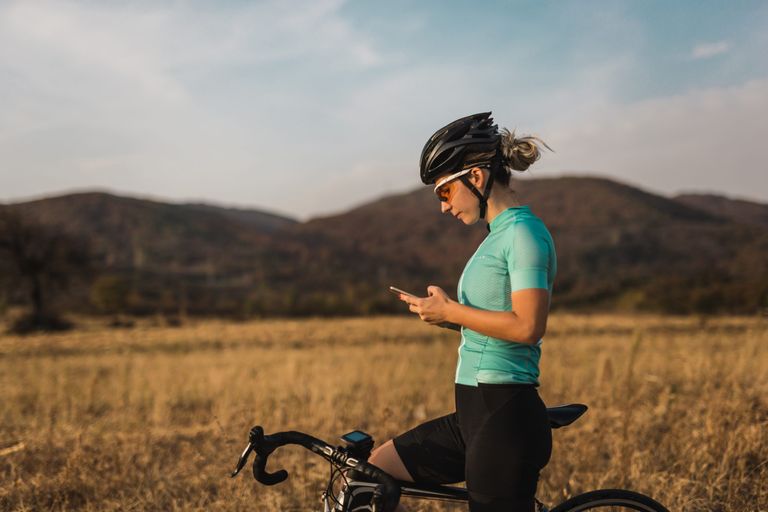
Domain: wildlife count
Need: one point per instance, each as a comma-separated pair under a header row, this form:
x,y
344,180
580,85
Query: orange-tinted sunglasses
x,y
444,188
445,191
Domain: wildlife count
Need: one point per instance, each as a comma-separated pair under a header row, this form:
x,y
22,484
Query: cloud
x,y
709,50
183,98
706,140
162,49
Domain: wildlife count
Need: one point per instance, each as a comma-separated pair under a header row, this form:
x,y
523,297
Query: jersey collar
x,y
507,215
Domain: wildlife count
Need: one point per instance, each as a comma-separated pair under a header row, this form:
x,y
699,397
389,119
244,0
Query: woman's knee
x,y
385,457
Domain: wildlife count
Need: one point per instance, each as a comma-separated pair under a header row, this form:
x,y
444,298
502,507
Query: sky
x,y
310,107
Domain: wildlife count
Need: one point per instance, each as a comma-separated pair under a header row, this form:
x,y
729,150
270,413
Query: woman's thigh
x,y
433,452
508,443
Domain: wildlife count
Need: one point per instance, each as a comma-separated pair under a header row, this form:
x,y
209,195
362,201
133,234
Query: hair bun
x,y
520,153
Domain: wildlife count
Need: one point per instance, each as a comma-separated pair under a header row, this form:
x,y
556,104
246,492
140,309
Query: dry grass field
x,y
153,418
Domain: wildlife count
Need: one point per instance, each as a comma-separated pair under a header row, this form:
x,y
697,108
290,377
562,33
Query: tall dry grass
x,y
154,418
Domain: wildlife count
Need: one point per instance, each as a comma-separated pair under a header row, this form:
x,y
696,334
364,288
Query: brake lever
x,y
242,460
255,437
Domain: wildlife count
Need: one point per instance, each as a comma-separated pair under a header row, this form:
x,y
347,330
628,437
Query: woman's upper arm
x,y
530,266
531,305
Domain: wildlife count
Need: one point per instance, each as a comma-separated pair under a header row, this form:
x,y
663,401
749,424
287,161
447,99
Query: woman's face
x,y
462,203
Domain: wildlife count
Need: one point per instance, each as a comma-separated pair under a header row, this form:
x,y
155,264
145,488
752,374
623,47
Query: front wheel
x,y
610,500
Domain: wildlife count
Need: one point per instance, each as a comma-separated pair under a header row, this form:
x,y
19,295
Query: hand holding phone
x,y
444,325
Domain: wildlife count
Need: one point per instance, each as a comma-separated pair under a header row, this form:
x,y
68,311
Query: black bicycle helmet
x,y
448,148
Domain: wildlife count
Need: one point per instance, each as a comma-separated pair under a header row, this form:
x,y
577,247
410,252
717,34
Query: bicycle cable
x,y
335,473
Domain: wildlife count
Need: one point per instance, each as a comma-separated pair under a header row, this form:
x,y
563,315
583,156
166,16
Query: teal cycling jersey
x,y
517,254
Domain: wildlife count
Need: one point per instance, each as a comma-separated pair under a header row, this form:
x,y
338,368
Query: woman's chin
x,y
466,219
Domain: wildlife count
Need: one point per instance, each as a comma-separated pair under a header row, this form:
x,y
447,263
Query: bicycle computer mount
x,y
359,443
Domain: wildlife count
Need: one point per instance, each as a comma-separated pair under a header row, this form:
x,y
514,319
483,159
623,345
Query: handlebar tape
x,y
388,489
263,476
265,445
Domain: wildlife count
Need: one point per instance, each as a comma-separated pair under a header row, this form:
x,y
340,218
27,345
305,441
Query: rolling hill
x,y
737,210
618,247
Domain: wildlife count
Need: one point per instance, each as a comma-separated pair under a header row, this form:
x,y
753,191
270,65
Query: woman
x,y
499,438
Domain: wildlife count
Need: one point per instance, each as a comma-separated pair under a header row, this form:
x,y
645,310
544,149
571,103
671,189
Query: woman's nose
x,y
445,206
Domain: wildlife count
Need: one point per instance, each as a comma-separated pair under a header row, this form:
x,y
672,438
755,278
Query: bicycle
x,y
367,488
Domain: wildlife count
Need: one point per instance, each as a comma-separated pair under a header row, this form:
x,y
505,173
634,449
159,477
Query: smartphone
x,y
398,291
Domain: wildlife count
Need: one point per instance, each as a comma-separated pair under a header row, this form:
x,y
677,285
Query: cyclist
x,y
499,437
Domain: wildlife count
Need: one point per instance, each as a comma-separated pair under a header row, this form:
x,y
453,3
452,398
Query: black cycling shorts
x,y
497,441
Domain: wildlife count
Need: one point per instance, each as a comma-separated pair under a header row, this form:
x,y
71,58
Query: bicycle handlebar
x,y
387,493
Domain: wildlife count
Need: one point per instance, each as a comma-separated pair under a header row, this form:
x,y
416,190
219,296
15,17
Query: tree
x,y
44,261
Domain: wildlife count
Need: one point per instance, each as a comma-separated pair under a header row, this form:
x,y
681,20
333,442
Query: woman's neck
x,y
500,200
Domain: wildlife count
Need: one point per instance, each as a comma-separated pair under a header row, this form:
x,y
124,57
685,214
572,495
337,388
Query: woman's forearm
x,y
505,325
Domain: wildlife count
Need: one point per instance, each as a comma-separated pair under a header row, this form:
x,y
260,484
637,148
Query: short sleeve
x,y
528,258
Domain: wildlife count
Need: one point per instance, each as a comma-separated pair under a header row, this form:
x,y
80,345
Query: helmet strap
x,y
483,197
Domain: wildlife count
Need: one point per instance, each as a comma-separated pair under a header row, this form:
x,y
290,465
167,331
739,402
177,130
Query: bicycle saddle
x,y
562,415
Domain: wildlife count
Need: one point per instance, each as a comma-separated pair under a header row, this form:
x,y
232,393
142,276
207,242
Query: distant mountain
x,y
139,233
267,222
737,210
618,247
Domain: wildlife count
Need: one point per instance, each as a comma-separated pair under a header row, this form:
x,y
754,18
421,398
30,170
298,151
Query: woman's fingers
x,y
411,300
435,290
415,306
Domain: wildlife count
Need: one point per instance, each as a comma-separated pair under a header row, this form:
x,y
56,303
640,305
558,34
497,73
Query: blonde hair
x,y
517,154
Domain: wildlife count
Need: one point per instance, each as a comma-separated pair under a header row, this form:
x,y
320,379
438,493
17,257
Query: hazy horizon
x,y
295,216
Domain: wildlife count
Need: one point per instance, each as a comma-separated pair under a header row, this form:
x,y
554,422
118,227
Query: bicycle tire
x,y
610,499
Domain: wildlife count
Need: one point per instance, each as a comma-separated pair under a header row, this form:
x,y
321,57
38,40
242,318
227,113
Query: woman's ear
x,y
477,177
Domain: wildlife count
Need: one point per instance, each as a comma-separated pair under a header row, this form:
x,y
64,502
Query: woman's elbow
x,y
532,334
532,338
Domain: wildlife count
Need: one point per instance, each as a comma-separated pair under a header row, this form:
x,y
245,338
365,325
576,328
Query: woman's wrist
x,y
451,311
